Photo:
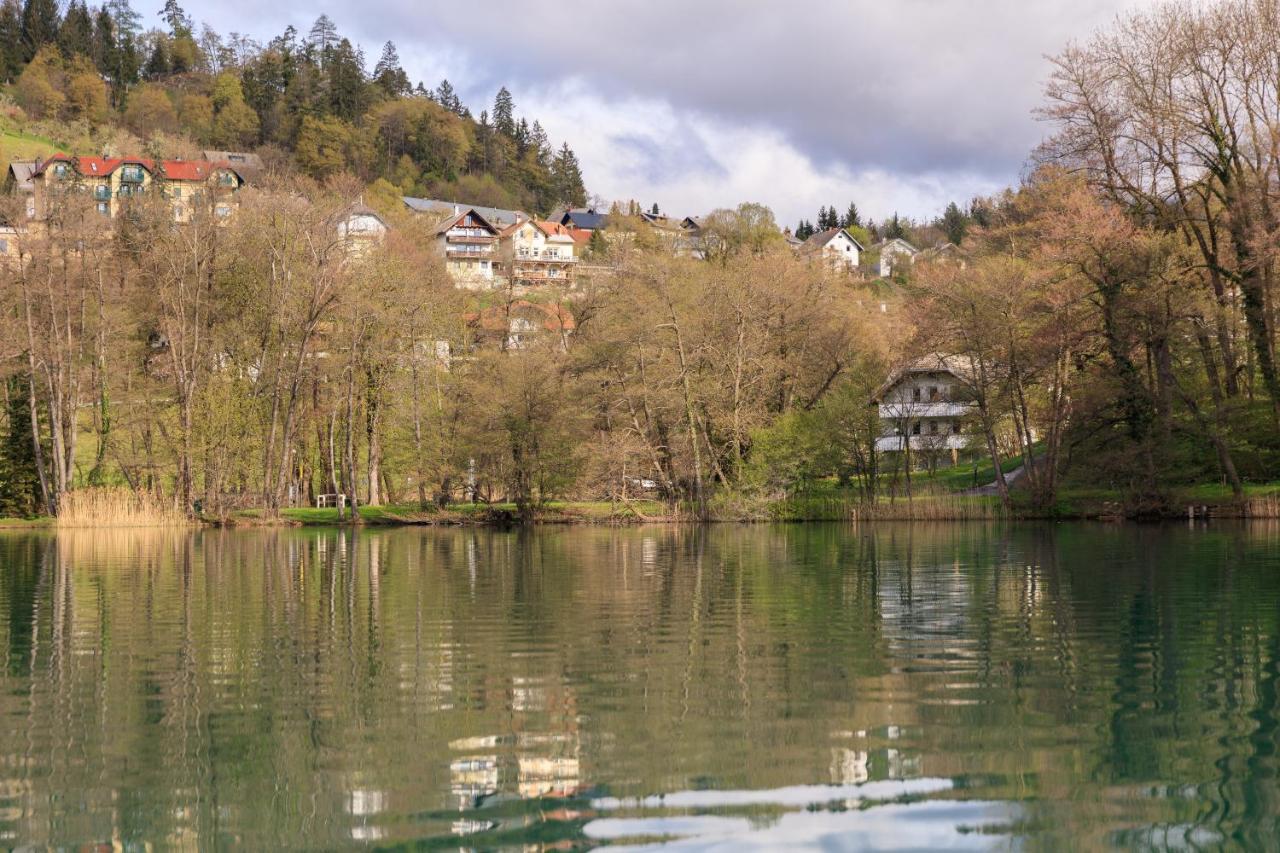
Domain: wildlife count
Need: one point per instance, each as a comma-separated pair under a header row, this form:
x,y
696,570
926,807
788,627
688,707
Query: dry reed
x,y
934,507
114,507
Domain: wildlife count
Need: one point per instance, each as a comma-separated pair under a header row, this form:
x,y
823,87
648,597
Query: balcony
x,y
895,444
919,409
469,235
469,251
544,257
131,174
102,192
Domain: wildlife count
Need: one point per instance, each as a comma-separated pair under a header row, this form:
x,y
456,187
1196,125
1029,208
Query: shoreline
x,y
945,508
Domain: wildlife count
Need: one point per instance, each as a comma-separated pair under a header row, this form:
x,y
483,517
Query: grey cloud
x,y
911,87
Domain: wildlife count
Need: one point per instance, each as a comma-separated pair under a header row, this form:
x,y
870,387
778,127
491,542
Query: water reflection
x,y
958,685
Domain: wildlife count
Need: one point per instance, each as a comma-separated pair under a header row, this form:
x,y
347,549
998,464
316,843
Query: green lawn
x,y
15,145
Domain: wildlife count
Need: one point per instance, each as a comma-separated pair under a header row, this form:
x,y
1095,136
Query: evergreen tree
x,y
179,22
522,137
11,51
447,98
894,229
822,218
40,25
348,94
852,219
158,63
19,479
566,178
388,75
323,36
539,141
75,36
654,210
127,21
504,113
955,223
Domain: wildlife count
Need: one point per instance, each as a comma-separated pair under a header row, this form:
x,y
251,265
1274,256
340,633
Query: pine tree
x,y
955,223
127,21
504,113
179,21
158,63
348,94
388,75
894,229
852,219
19,480
566,178
40,24
448,99
539,141
323,36
11,52
75,36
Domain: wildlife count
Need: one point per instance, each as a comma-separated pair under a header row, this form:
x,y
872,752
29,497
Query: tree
x,y
19,478
851,217
158,63
179,21
504,113
348,92
12,50
235,124
323,145
75,37
388,75
894,229
323,36
954,223
150,110
40,24
447,98
566,178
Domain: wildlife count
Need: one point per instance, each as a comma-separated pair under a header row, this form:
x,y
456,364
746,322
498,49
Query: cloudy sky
x,y
899,105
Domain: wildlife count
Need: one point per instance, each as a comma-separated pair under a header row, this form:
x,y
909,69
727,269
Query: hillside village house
x,y
113,181
892,254
923,406
468,243
361,227
585,218
496,216
522,324
20,181
834,247
533,253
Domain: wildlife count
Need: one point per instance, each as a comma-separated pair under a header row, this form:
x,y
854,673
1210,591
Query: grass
x,y
21,146
115,507
464,513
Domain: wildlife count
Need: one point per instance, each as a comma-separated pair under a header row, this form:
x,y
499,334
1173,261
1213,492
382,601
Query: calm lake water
x,y
833,687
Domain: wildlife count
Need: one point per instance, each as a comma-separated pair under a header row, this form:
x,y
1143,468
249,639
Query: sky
x,y
897,105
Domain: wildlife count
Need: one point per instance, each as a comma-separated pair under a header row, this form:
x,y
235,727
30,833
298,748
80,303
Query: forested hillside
x,y
92,79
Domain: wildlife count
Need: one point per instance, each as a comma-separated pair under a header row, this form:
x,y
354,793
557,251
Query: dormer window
x,y
60,170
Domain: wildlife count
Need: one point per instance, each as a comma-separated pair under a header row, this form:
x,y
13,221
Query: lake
x,y
731,687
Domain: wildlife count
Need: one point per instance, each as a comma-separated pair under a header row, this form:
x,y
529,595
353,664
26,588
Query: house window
x,y
222,210
177,192
104,208
933,393
4,247
933,427
915,428
60,170
177,213
915,395
955,427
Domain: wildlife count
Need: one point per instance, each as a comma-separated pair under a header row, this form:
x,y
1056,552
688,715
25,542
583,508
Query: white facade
x,y
894,252
924,407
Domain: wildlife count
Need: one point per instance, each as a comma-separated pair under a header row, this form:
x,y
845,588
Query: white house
x,y
835,247
359,222
467,242
532,253
892,253
924,405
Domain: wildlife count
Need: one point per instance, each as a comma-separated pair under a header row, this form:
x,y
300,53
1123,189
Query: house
x,y
360,226
532,253
112,182
923,406
9,246
944,253
834,247
495,216
248,165
892,255
683,237
585,218
467,241
20,181
522,324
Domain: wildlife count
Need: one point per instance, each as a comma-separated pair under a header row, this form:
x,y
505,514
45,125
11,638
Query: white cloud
x,y
649,151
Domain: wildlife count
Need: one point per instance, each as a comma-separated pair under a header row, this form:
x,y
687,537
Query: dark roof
x,y
498,216
585,218
822,238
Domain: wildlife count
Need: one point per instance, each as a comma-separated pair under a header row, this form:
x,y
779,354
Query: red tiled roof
x,y
579,235
174,170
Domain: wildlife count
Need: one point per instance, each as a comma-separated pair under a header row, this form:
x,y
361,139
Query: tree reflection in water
x,y
961,684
